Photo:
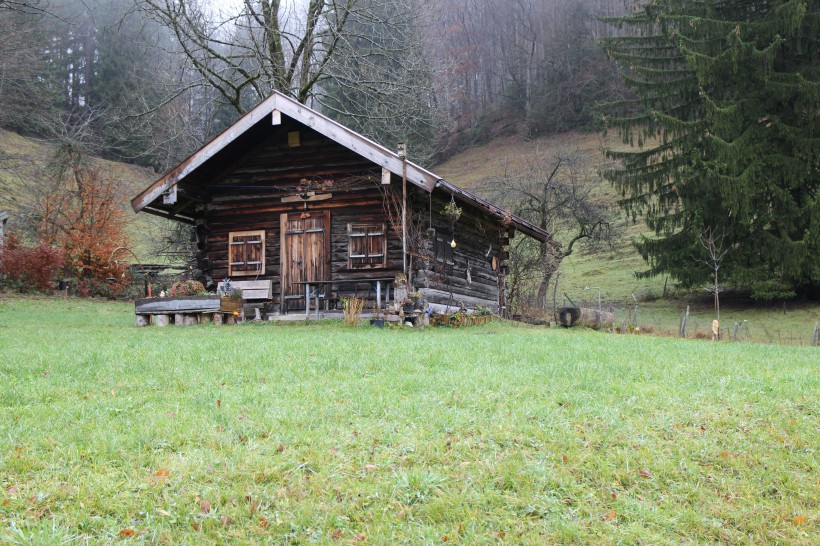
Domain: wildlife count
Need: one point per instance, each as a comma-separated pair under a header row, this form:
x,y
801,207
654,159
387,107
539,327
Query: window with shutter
x,y
246,253
367,246
444,252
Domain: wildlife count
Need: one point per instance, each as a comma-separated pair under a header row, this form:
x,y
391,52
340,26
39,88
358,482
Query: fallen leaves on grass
x,y
798,520
337,534
370,467
225,521
281,448
611,515
127,533
162,473
219,402
12,490
205,506
645,473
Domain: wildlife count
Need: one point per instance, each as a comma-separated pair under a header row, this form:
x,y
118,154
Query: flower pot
x,y
229,305
377,322
408,308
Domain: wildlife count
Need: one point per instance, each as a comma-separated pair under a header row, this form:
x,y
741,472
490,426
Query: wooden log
x,y
179,319
161,320
206,318
230,318
569,316
190,320
592,318
442,297
179,304
142,320
584,316
218,319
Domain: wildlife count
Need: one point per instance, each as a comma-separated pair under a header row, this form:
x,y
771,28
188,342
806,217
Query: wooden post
x,y
683,323
230,319
162,320
205,318
179,319
190,320
218,319
142,320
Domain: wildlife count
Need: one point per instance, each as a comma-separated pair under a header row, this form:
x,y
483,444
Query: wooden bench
x,y
251,290
255,294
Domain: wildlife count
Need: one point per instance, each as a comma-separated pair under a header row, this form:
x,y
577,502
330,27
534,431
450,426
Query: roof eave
x,y
497,212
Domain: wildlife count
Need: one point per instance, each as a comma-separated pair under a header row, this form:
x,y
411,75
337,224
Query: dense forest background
x,y
715,103
115,75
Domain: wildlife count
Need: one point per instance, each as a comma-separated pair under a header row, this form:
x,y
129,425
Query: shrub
x,y
187,288
110,288
29,269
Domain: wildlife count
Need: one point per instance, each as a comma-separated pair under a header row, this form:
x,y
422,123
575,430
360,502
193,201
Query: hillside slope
x,y
22,165
611,270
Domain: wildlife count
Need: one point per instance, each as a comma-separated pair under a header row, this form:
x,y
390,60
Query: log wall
x,y
263,183
262,212
477,242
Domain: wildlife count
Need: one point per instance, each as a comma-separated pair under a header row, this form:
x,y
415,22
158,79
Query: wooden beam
x,y
198,158
167,214
311,196
276,117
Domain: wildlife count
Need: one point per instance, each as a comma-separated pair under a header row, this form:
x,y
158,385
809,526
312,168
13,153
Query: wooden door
x,y
305,254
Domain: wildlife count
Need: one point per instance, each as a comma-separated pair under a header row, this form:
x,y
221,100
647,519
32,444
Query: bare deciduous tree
x,y
268,45
713,241
555,195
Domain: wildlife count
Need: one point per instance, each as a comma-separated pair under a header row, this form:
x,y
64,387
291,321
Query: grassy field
x,y
266,433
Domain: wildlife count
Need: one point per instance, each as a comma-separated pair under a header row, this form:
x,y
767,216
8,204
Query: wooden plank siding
x,y
256,171
262,212
477,241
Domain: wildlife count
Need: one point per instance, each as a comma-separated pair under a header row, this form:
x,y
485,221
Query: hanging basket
x,y
452,211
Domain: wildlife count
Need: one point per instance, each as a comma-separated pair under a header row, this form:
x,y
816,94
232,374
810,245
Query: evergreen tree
x,y
727,126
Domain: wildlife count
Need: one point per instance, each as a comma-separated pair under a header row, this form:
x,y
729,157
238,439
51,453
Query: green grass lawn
x,y
272,433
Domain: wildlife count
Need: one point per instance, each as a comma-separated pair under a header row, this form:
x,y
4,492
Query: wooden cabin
x,y
288,195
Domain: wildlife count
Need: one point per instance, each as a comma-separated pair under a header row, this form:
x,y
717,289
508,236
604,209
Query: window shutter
x,y
367,246
246,253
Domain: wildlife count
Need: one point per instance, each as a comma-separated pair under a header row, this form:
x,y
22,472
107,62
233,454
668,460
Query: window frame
x,y
235,262
372,230
443,252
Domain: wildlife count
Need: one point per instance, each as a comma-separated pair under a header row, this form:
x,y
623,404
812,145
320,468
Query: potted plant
x,y
415,297
231,301
452,211
407,305
378,322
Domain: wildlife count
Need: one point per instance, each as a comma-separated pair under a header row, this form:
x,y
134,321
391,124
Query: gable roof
x,y
278,104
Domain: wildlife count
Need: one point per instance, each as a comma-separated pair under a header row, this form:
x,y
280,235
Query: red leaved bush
x,y
29,269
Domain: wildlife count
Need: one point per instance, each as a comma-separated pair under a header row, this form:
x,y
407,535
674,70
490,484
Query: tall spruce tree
x,y
724,136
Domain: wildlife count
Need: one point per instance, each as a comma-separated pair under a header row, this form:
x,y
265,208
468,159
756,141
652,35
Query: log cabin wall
x,y
478,241
291,168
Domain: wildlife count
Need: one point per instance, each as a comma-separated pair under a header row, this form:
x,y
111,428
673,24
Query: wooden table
x,y
378,281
